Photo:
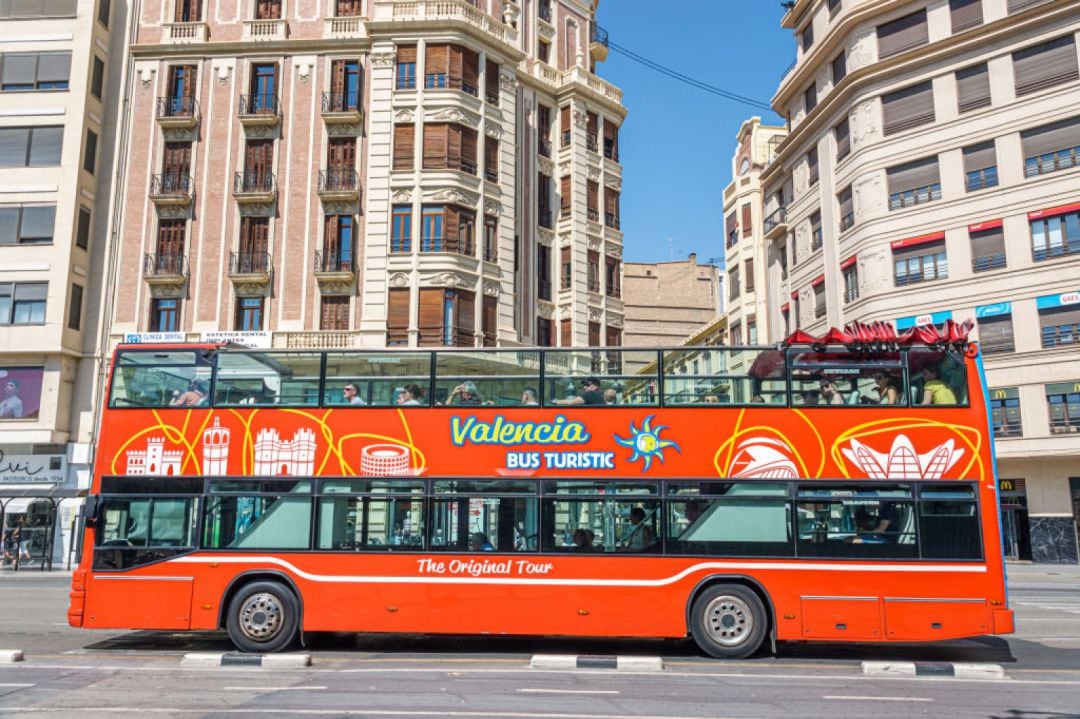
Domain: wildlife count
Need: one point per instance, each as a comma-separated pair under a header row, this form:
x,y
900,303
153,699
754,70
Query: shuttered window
x,y
611,208
334,313
920,263
748,272
491,82
404,146
965,14
564,195
914,183
437,66
908,108
817,238
614,336
902,34
810,97
996,334
806,37
812,166
406,67
592,199
1045,65
566,334
594,334
592,131
747,224
611,140
491,159
1060,326
566,267
842,134
973,87
469,147
839,68
847,208
1051,147
464,309
489,317
564,124
980,166
988,249
449,146
430,322
731,229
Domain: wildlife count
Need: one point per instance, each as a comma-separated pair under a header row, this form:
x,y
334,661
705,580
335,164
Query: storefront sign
x,y
152,337
995,310
254,340
31,468
20,392
936,318
1050,301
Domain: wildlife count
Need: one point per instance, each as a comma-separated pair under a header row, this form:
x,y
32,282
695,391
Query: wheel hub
x,y
729,620
261,617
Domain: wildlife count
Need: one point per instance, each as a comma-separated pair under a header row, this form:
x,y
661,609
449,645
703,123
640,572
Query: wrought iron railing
x,y
335,180
259,104
334,261
249,263
168,264
253,182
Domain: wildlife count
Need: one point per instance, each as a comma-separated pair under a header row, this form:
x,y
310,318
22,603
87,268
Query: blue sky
x,y
677,142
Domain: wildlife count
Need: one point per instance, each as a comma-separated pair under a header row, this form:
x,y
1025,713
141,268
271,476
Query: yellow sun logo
x,y
646,442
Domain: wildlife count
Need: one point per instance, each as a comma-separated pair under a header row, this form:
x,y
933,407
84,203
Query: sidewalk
x,y
1028,573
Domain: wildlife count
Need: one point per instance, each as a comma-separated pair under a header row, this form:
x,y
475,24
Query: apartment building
x,y
745,257
666,302
56,68
365,173
931,172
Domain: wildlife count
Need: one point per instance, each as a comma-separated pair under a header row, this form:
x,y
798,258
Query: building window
x,y
170,247
406,67
23,303
611,140
249,314
165,315
337,252
1055,236
748,271
732,230
104,9
611,208
491,159
966,14
920,263
565,126
820,308
452,66
851,282
1060,325
987,249
908,108
544,336
267,9
973,88
980,166
839,68
491,238
401,234
31,146
817,238
736,335
1063,400
566,268
97,78
543,51
565,195
543,272
1005,412
747,220
812,167
902,34
914,183
543,200
347,8
810,97
806,37
75,307
842,135
996,334
613,277
188,11
834,7
734,288
433,236
404,146
543,130
334,313
491,83
1051,147
82,235
27,224
449,146
751,330
847,209
34,72
90,156
1045,65
344,86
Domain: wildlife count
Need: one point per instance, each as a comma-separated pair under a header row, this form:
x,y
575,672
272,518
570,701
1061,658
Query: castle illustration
x,y
275,456
155,459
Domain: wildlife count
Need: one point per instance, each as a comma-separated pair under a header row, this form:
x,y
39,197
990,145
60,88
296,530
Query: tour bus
x,y
836,488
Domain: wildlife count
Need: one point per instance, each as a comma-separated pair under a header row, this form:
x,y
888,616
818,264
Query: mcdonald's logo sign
x,y
1001,394
1006,485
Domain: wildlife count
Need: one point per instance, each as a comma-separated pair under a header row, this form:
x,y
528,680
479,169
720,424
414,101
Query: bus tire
x,y
263,617
728,621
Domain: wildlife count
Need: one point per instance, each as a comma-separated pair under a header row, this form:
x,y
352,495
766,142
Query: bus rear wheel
x,y
728,621
263,617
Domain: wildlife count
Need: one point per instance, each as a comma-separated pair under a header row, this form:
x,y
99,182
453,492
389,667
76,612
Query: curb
x,y
956,670
265,661
588,661
10,656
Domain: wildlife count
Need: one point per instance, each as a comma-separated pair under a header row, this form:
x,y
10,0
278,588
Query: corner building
x,y
365,173
931,172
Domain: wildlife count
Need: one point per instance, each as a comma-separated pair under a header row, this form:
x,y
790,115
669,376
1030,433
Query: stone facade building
x,y
364,173
931,171
666,302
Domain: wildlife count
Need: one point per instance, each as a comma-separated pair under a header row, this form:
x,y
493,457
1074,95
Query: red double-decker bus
x,y
836,489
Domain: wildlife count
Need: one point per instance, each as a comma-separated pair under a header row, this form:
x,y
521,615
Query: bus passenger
x,y
713,399
610,396
478,542
934,390
590,394
756,399
811,396
886,387
529,397
583,538
465,394
352,396
641,536
410,395
830,392
194,397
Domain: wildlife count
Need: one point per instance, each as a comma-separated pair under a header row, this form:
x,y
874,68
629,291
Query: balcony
x,y
598,86
544,147
335,271
598,43
259,110
254,187
266,30
345,28
342,108
168,269
249,267
181,113
440,14
776,224
917,196
339,185
981,179
1052,161
171,189
611,220
1008,429
988,262
182,33
591,142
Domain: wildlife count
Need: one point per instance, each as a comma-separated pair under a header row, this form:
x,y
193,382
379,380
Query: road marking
x,y
875,699
277,711
568,691
17,686
270,689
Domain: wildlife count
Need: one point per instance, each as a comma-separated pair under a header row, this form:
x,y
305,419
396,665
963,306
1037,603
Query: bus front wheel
x,y
263,617
728,621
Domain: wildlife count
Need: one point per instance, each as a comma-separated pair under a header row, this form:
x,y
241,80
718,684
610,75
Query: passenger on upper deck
x,y
610,396
194,397
934,390
465,394
351,395
529,397
410,395
887,388
590,394
830,392
478,542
